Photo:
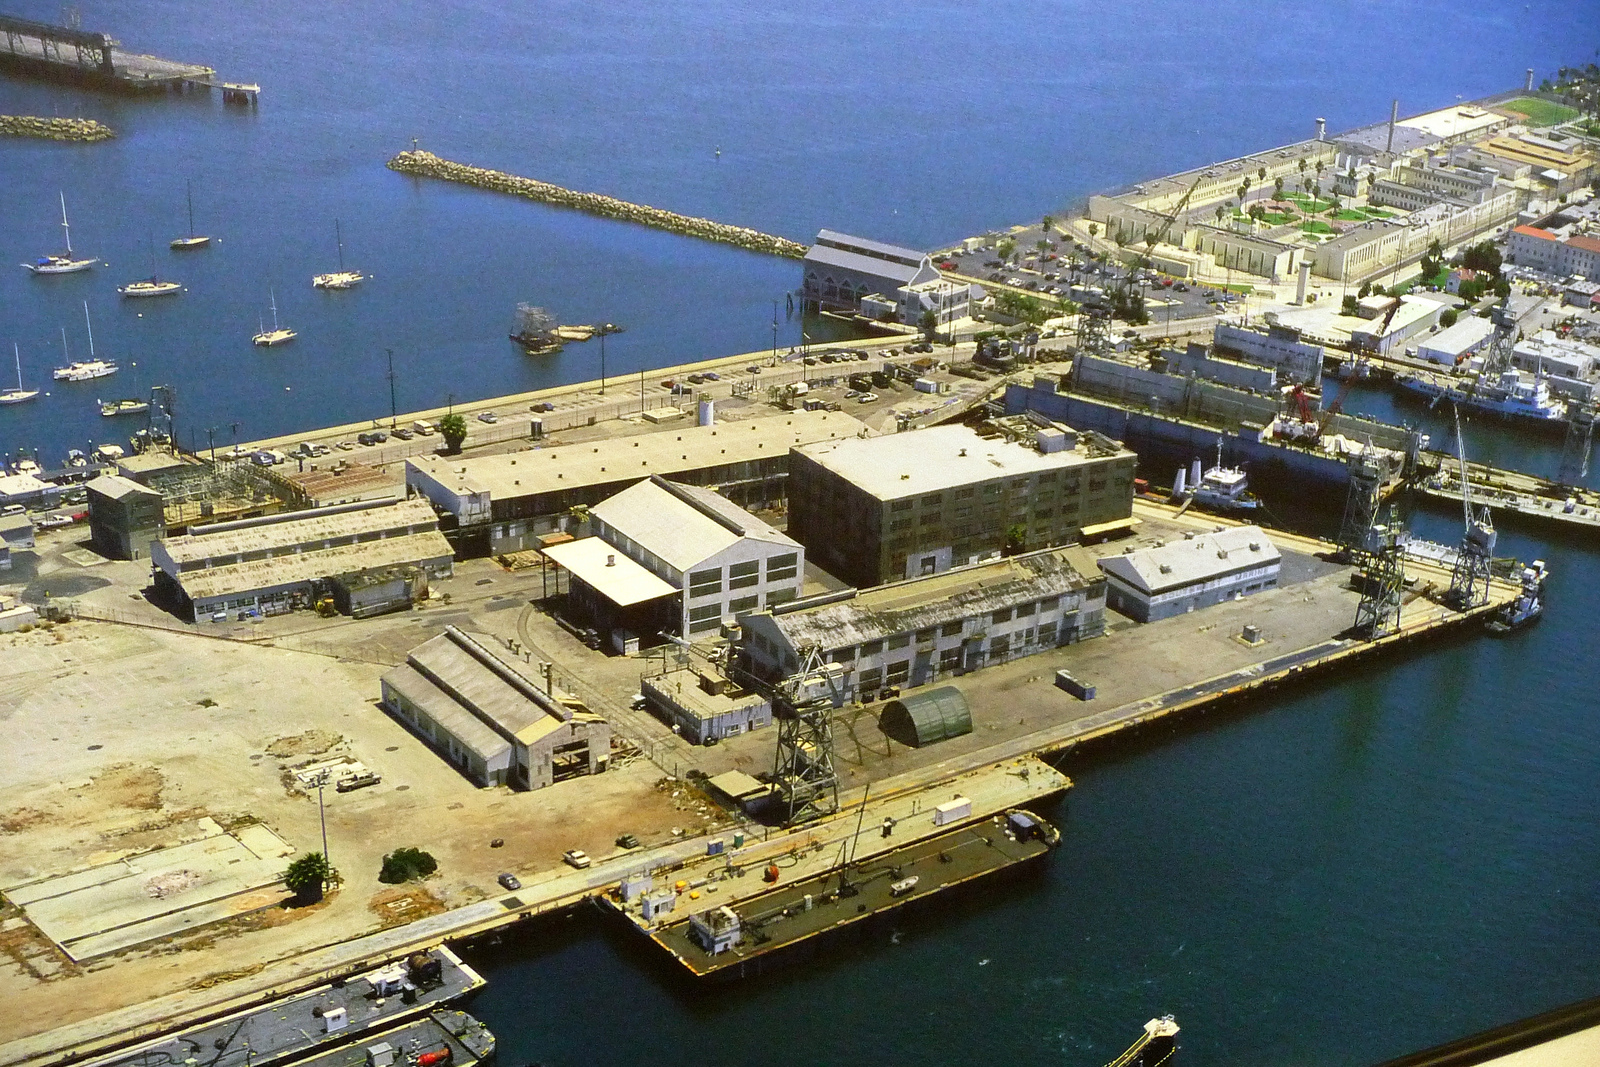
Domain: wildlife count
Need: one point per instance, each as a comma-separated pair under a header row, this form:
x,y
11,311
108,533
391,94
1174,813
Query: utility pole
x,y
211,440
394,411
322,814
774,329
605,328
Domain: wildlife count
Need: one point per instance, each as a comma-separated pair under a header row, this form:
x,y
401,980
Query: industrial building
x,y
1530,246
928,717
878,509
28,491
861,276
467,697
1459,342
704,706
1278,347
125,517
915,632
16,531
719,558
1195,571
503,503
343,482
276,563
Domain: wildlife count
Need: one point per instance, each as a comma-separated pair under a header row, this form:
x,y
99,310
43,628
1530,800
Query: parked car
x,y
424,427
542,406
866,398
508,880
577,857
627,841
345,446
404,434
712,376
373,437
488,416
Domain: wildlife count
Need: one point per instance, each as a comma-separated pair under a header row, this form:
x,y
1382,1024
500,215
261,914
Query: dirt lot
x,y
121,738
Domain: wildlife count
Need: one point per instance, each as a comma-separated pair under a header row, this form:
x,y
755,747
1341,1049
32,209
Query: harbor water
x,y
1336,874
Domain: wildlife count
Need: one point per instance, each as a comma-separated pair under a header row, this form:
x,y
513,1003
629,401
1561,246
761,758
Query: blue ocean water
x,y
1340,874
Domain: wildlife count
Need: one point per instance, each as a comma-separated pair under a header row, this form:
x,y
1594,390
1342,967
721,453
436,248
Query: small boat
x,y
151,286
278,334
83,370
109,453
19,394
341,278
27,465
76,458
1528,605
1509,396
194,240
130,406
63,263
1224,488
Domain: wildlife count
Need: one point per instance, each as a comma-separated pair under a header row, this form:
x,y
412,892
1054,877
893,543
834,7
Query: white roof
x,y
18,484
1191,560
940,457
290,531
683,524
1464,335
609,572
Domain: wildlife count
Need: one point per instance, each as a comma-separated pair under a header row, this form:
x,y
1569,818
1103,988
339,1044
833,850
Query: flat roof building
x,y
503,503
875,510
277,563
1195,571
1453,344
465,694
703,706
915,632
125,517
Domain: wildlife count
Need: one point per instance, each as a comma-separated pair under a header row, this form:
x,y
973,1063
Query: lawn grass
x,y
1541,112
1379,213
1277,218
1350,215
1315,226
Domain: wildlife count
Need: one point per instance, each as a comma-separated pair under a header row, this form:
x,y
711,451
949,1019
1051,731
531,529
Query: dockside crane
x,y
803,767
1469,580
1123,297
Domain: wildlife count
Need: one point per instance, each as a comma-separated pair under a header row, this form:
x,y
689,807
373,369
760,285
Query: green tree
x,y
453,428
1277,188
1094,228
1349,306
1365,291
1436,250
1049,224
404,864
1262,173
1005,248
1042,247
1066,307
1221,211
1483,256
1502,287
308,877
929,324
1016,539
1447,317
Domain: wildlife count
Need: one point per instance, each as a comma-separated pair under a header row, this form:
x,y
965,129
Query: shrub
x,y
308,876
404,864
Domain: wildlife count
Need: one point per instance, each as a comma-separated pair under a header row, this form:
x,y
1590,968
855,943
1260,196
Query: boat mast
x,y
273,296
17,352
188,184
338,239
65,353
64,225
89,325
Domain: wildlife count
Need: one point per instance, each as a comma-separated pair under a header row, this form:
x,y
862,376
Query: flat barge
x,y
738,940
438,1039
1513,493
286,1031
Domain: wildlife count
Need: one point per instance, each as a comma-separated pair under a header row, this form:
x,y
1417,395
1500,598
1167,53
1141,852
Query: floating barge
x,y
1513,493
734,941
439,1039
286,1031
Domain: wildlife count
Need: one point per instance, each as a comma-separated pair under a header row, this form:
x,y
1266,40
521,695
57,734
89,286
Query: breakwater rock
x,y
428,165
55,129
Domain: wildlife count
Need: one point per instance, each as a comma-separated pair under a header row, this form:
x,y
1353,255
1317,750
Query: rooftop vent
x,y
1166,568
611,559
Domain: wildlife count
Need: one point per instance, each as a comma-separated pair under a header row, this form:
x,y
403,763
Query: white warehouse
x,y
1197,571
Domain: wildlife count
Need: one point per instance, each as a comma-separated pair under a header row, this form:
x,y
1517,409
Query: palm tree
x,y
453,428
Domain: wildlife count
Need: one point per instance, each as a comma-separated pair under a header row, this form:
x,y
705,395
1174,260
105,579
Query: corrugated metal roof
x,y
939,598
116,487
867,244
677,525
608,571
928,717
450,715
289,533
881,268
237,578
1198,559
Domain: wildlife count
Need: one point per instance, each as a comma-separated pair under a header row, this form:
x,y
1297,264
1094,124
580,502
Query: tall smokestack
x,y
1322,128
1528,85
1394,117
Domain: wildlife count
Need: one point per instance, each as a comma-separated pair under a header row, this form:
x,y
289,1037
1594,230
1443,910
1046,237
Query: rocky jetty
x,y
428,165
55,129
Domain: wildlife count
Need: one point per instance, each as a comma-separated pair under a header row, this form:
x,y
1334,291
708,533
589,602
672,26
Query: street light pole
x,y
604,329
394,410
774,329
322,815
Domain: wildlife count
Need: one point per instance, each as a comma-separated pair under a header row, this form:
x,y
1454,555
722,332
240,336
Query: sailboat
x,y
152,286
19,394
83,370
64,263
278,334
194,240
341,278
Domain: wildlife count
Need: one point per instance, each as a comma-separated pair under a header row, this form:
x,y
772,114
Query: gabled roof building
x,y
1196,571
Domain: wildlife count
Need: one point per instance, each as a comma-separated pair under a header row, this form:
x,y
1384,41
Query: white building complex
x,y
1194,572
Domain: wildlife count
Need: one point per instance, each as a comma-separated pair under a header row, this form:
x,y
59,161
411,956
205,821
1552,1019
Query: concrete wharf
x,y
454,1037
96,60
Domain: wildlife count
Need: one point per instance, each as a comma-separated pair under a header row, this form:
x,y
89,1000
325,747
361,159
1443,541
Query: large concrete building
x,y
874,510
1193,572
125,517
467,696
277,563
503,503
1542,250
918,631
721,559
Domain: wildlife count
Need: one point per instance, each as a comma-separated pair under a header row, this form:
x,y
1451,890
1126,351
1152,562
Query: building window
x,y
925,635
1049,603
1003,615
710,611
899,671
743,603
870,679
744,575
931,499
780,596
901,505
900,524
950,629
999,646
930,518
964,494
950,659
1024,610
872,648
705,583
843,655
782,568
1047,634
899,641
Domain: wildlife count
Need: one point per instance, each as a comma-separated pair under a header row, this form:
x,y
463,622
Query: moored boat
x,y
1509,396
1528,605
19,394
341,278
152,286
193,240
129,406
65,262
1222,488
278,335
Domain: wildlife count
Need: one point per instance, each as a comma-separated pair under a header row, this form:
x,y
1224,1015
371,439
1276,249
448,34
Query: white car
x,y
488,416
866,398
577,857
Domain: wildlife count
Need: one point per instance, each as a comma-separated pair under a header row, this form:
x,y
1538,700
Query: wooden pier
x,y
98,61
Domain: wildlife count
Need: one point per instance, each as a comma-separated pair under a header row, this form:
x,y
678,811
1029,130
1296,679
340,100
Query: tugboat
x,y
1527,607
1223,488
63,263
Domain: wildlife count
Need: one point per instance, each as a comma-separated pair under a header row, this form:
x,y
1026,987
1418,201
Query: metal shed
x,y
927,717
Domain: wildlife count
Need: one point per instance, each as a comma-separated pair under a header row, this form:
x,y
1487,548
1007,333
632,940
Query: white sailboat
x,y
278,334
19,394
194,240
341,278
64,263
152,286
83,370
